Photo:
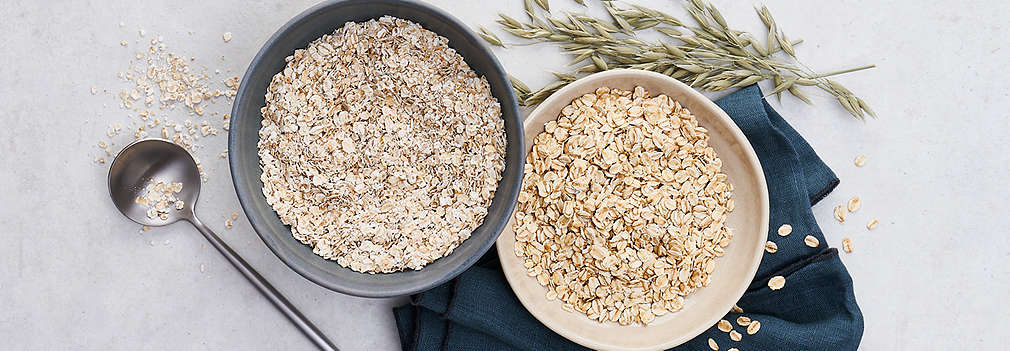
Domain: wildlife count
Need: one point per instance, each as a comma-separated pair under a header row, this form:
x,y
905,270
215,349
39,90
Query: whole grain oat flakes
x,y
771,247
380,147
623,206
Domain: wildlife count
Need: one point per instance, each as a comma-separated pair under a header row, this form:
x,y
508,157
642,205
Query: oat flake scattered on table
x,y
380,147
872,224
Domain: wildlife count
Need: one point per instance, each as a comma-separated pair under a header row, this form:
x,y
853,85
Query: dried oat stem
x,y
708,56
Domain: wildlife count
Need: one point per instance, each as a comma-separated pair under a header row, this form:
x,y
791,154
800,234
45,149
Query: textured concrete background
x,y
74,274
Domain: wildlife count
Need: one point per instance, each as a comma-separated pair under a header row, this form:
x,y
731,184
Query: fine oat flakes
x,y
159,196
380,147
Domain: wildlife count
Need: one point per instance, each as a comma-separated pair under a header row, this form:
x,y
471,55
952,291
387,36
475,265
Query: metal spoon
x,y
155,159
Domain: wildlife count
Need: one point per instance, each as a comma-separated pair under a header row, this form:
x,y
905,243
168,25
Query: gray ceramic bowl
x,y
244,160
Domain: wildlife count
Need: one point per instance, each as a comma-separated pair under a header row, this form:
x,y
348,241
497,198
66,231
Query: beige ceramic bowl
x,y
734,271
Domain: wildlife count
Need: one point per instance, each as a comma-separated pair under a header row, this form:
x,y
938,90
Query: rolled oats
x,y
839,213
847,245
860,160
735,335
872,224
854,204
724,325
753,327
771,247
623,206
785,229
159,196
811,241
380,147
743,321
776,282
712,344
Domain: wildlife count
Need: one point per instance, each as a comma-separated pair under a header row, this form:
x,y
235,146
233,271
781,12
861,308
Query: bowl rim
x,y
245,197
749,154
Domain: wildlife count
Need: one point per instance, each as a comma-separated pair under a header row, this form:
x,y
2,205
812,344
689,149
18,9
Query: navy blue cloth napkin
x,y
815,311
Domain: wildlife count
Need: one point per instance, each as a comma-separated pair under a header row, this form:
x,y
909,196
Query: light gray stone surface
x,y
74,274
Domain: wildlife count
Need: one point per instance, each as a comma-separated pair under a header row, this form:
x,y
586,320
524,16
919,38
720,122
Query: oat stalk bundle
x,y
708,55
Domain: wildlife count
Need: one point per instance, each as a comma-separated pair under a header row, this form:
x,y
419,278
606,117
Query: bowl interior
x,y
734,271
244,135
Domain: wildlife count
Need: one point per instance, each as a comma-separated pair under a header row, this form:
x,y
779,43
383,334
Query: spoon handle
x,y
264,287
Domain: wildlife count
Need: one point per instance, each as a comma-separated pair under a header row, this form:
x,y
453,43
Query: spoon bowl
x,y
148,160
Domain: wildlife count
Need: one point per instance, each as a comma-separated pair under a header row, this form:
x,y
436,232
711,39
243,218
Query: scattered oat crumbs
x,y
860,160
736,309
847,245
771,247
735,335
100,160
840,213
124,43
712,344
733,349
873,224
811,241
227,223
776,282
94,90
144,228
724,326
753,328
203,268
854,204
743,321
785,229
226,36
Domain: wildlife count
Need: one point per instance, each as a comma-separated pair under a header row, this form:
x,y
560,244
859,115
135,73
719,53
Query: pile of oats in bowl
x,y
380,147
623,207
159,198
